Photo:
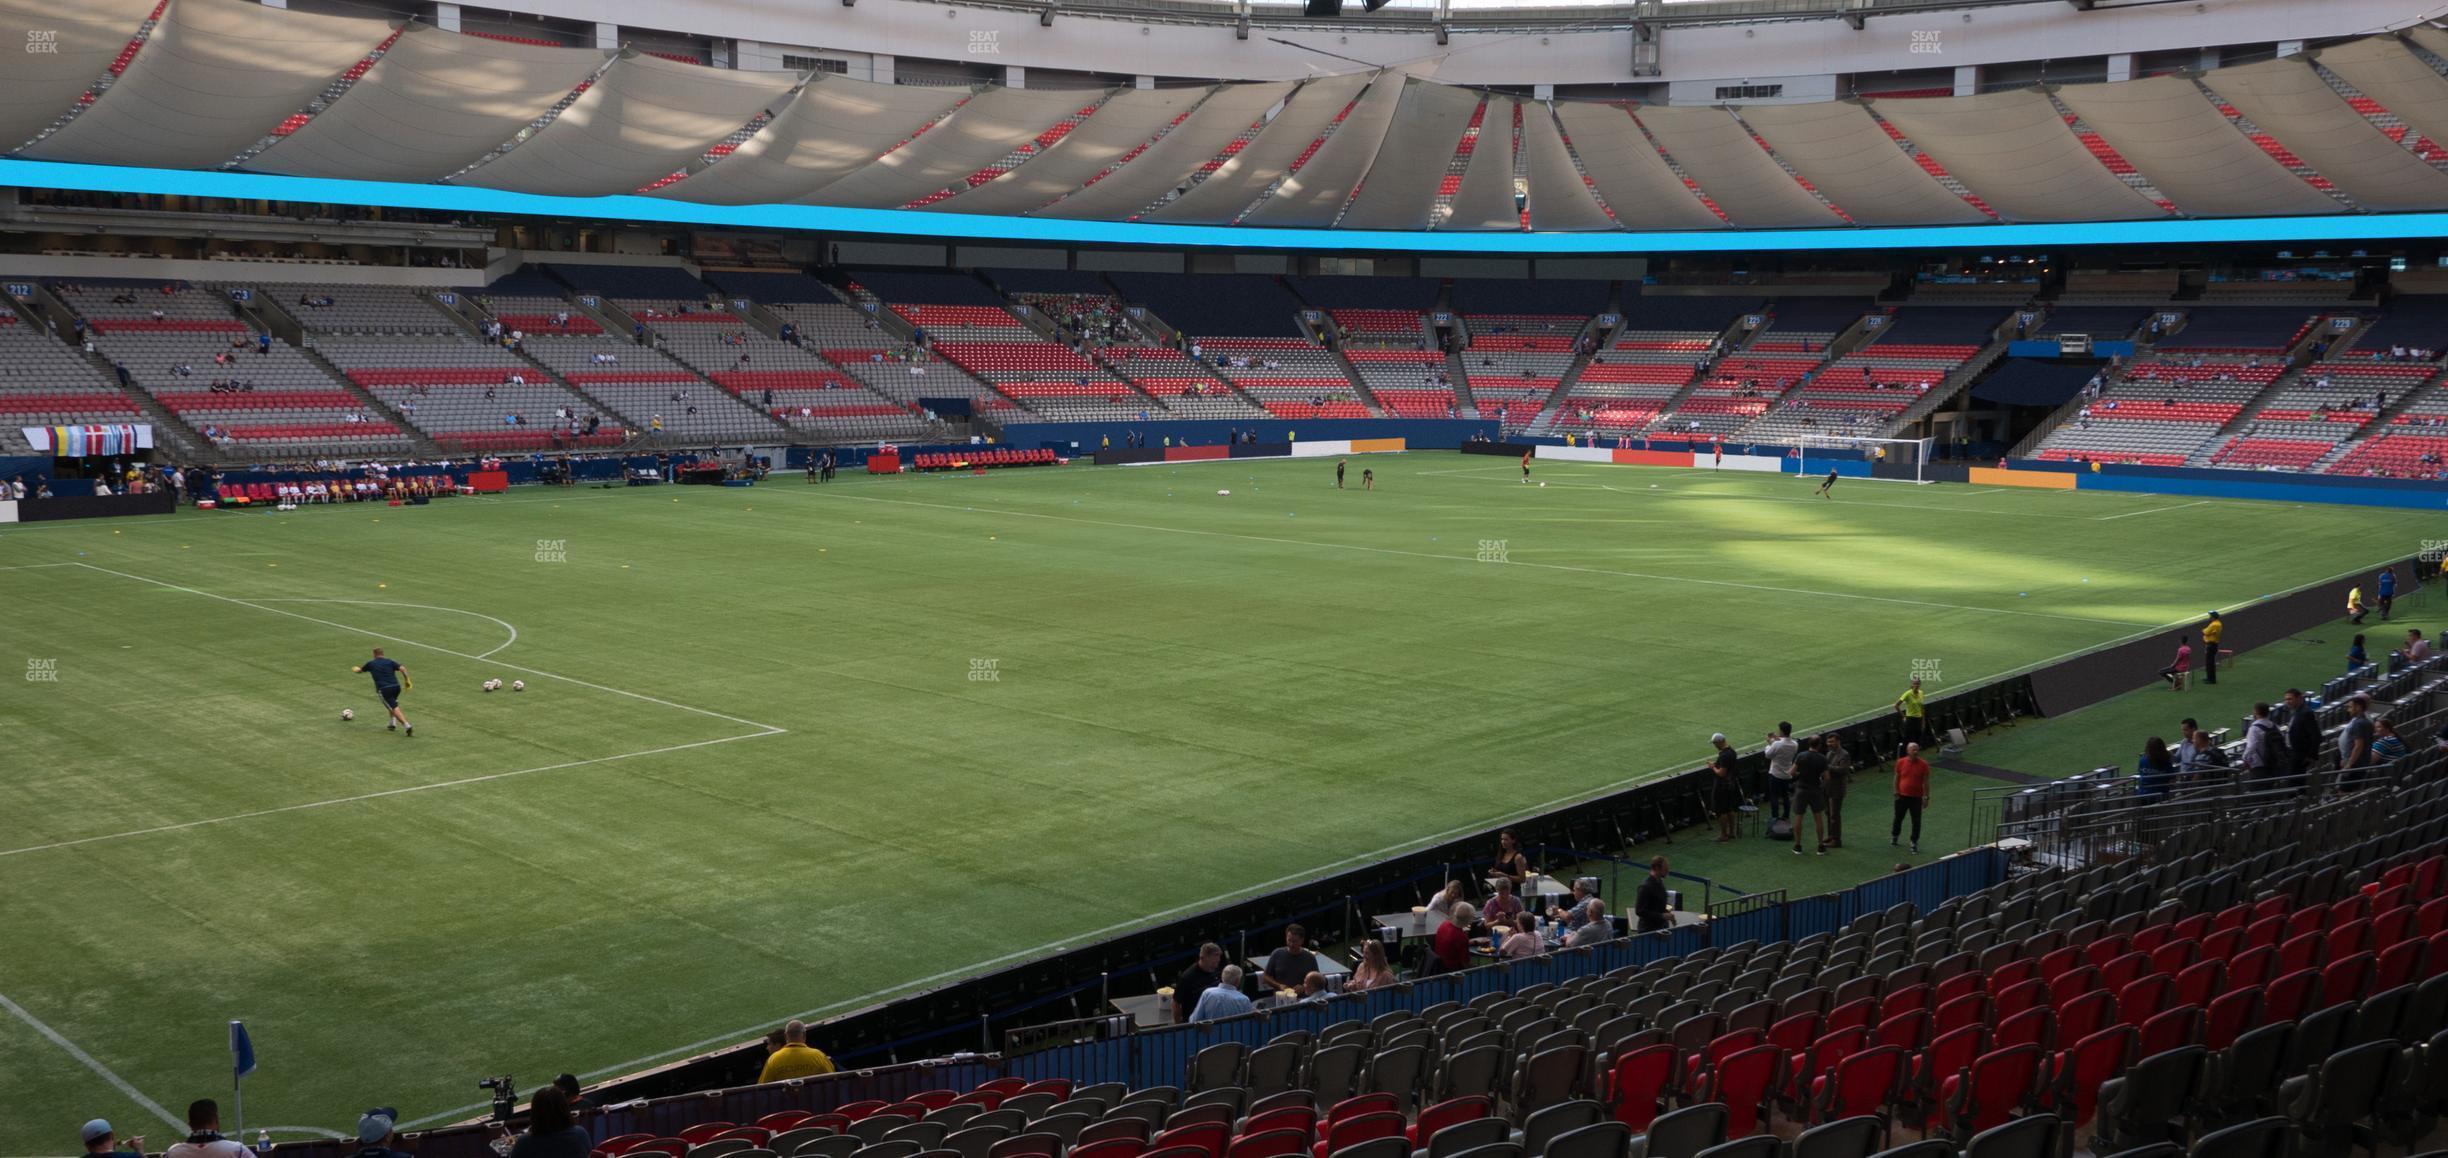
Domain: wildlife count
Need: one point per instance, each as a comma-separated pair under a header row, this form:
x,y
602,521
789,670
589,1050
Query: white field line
x,y
504,624
134,1095
2154,510
573,680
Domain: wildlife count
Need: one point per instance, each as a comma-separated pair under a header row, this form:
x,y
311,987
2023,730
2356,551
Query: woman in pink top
x,y
2174,673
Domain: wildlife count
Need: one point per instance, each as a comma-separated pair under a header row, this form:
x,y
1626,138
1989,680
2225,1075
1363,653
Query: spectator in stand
x,y
1520,941
2387,747
552,1132
1286,966
2417,649
1314,988
2264,745
1449,948
1373,971
796,1058
1595,925
102,1142
2355,655
204,1138
2156,770
1911,794
1446,898
2355,744
1502,905
1202,975
1511,864
1224,998
375,1129
1649,904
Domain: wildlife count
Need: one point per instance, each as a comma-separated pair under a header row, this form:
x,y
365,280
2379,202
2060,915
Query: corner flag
x,y
242,1050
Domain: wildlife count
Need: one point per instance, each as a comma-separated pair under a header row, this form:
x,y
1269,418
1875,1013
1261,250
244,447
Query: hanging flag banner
x,y
89,441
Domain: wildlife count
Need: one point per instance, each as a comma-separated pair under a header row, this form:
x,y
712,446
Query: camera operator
x,y
375,1131
551,1131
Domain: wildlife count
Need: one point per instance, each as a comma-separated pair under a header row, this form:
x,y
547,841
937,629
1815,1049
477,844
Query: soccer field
x,y
793,750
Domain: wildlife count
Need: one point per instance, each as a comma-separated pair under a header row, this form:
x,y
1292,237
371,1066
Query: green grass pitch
x,y
794,749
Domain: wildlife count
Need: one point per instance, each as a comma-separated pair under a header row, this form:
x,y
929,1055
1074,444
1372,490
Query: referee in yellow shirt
x,y
1915,731
2211,629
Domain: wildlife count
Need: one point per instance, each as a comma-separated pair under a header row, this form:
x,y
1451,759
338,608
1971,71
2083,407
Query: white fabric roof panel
x,y
1168,163
2288,100
2190,151
1631,176
644,120
1715,150
38,88
1842,150
834,127
1560,201
2384,69
1315,196
2015,151
1484,199
1120,125
1239,181
215,77
435,103
976,135
1400,189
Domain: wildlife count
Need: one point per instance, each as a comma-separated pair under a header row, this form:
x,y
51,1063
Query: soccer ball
x,y
518,685
347,714
1542,484
489,685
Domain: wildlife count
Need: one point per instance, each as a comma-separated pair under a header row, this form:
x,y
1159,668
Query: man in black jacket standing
x,y
2303,738
1649,910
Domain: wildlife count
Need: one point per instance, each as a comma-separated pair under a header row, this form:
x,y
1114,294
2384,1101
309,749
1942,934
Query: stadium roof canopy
x,y
2339,130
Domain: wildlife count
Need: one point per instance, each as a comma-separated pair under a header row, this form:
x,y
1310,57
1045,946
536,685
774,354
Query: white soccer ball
x,y
1542,484
347,714
489,685
518,685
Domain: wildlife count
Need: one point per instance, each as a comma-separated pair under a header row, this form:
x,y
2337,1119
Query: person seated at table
x,y
1314,988
1195,981
1224,999
1510,863
1524,942
1569,914
1446,898
1594,927
1449,949
1372,971
1288,966
1501,907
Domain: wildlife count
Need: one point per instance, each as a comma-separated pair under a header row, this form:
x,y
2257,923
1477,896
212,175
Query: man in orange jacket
x,y
1911,795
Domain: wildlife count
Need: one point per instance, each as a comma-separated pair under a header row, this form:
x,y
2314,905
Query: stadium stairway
x,y
1459,374
274,318
1326,323
1955,383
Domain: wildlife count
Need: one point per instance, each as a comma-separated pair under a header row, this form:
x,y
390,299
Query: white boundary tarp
x,y
1400,189
2015,151
436,103
1635,181
215,77
1315,196
976,135
2288,100
645,119
66,46
834,127
1484,200
2190,151
1841,149
1239,181
1715,151
2384,69
1559,199
1120,125
1168,163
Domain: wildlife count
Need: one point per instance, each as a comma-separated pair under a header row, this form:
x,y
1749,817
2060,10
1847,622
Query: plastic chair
x,y
1685,1132
1743,1083
2148,1104
1997,1085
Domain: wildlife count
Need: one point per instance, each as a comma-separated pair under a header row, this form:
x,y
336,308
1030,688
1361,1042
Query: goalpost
x,y
1889,459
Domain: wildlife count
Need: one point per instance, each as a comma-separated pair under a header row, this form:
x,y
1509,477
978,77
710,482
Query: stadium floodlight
x,y
1889,459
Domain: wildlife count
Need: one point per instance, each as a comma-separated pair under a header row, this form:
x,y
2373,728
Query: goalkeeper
x,y
390,679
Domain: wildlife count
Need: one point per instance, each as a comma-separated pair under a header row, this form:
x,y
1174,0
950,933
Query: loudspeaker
x,y
1324,8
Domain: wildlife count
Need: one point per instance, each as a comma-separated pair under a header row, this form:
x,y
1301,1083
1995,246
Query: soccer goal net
x,y
1889,459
